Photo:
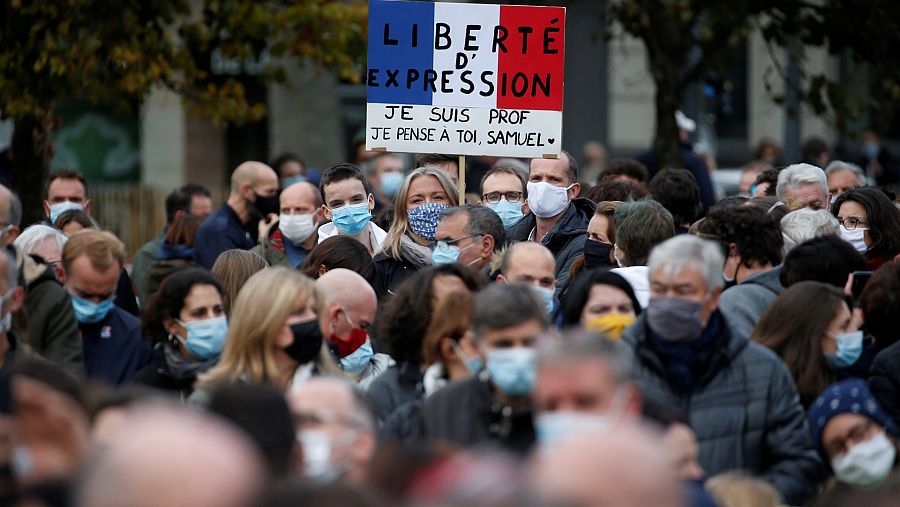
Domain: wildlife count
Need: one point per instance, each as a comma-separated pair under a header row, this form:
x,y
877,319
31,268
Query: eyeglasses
x,y
850,223
494,197
451,242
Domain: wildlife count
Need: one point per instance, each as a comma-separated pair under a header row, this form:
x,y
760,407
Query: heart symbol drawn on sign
x,y
551,140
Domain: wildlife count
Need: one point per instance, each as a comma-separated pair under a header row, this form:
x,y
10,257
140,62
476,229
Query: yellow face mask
x,y
611,324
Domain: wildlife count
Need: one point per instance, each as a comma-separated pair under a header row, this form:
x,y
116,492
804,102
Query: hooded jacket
x,y
565,241
745,303
744,409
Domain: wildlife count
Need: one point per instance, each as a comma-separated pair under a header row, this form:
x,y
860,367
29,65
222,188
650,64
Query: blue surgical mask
x,y
205,338
444,253
547,298
290,180
89,312
423,219
474,364
359,359
509,212
849,348
391,183
513,370
352,218
58,208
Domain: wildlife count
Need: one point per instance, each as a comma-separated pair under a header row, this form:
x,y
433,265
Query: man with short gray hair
x,y
802,186
493,407
584,381
843,176
469,235
739,397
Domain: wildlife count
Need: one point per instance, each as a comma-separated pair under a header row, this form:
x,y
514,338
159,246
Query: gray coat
x,y
745,303
744,410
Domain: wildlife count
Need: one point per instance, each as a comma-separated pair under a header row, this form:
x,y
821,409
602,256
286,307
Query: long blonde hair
x,y
262,307
400,227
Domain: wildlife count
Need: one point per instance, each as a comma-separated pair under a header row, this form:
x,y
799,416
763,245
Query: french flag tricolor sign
x,y
467,79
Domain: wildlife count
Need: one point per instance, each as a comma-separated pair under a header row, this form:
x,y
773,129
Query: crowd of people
x,y
371,339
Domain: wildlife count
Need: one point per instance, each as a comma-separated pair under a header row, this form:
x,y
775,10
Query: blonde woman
x,y
424,195
273,332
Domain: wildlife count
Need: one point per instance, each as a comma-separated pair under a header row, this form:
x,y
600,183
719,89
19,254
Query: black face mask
x,y
596,255
266,205
307,341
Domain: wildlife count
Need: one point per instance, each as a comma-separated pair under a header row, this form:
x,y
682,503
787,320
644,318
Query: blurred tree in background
x,y
116,52
687,39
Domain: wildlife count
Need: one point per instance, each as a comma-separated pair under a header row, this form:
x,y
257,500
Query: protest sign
x,y
468,79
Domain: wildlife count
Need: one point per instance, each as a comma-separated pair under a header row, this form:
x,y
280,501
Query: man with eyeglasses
x,y
503,191
335,428
468,235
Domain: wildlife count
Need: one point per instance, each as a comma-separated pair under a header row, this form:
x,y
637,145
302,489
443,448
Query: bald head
x,y
350,302
300,194
620,467
529,262
252,174
173,456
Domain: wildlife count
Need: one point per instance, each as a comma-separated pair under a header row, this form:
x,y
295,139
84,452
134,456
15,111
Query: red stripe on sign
x,y
531,55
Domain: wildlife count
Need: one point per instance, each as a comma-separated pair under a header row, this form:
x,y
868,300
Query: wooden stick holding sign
x,y
462,180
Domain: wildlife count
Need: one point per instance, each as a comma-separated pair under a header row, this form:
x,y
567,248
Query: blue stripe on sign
x,y
409,57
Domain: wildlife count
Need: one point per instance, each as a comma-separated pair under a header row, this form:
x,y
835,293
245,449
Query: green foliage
x,y
115,52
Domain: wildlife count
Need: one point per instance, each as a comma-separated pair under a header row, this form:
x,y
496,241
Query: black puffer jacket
x,y
565,240
744,410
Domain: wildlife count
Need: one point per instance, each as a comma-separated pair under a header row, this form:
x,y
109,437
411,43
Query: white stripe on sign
x,y
476,62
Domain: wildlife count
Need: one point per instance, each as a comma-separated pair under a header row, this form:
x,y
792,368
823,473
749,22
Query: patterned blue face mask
x,y
423,220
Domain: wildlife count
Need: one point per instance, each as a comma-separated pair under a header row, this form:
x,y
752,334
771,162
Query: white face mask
x,y
319,464
856,237
546,200
553,427
867,464
296,228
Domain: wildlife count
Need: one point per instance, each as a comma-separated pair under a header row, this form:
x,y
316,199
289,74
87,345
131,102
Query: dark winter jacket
x,y
744,409
157,375
49,326
466,413
565,240
399,385
884,380
744,304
